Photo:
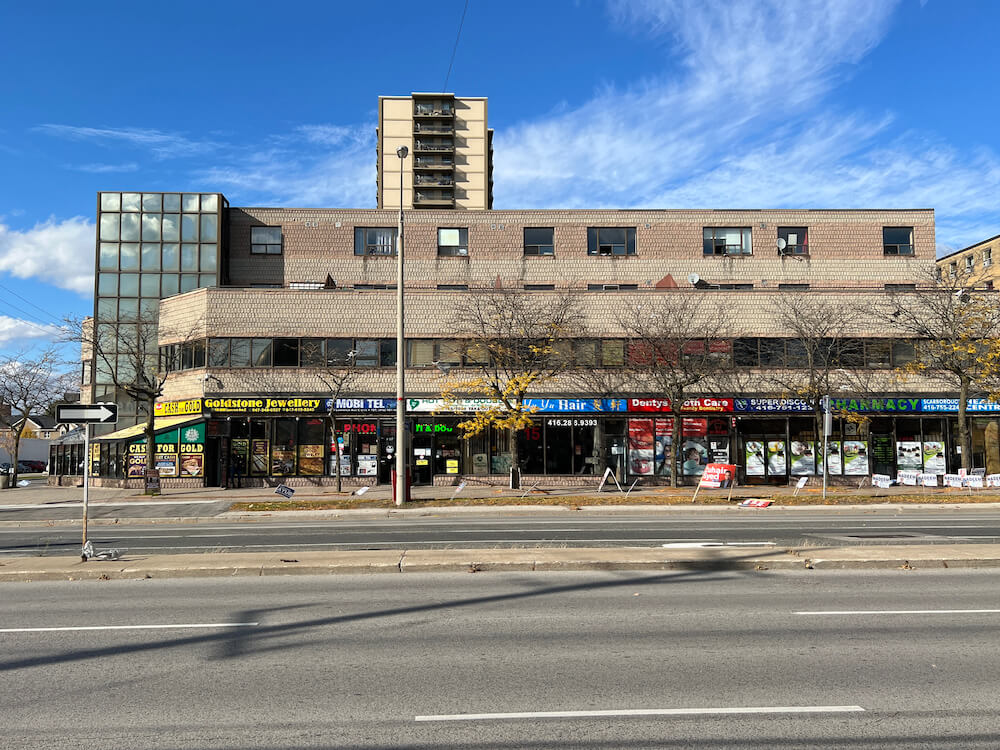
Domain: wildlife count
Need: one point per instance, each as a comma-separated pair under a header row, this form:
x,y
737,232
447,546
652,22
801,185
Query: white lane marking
x,y
901,612
133,627
644,712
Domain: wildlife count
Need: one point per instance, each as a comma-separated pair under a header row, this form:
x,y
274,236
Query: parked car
x,y
30,466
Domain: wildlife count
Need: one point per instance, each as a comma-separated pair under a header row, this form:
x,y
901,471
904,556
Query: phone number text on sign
x,y
571,422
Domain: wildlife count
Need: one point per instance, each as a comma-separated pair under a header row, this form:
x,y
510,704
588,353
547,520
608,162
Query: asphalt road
x,y
684,659
778,526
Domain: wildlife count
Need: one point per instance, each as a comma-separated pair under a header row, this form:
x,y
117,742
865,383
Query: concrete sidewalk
x,y
708,559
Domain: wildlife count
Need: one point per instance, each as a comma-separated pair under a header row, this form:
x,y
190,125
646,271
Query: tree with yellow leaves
x,y
511,349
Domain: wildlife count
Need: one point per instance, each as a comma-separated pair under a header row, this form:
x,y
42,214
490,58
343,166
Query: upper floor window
x,y
539,287
970,263
612,287
793,240
953,269
453,241
265,240
897,240
538,241
726,241
901,287
374,240
793,287
610,240
987,257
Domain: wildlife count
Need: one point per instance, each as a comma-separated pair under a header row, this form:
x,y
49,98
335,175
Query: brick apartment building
x,y
249,299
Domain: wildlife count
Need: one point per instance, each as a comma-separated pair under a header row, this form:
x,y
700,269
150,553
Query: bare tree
x,y
126,353
512,348
30,384
956,327
678,347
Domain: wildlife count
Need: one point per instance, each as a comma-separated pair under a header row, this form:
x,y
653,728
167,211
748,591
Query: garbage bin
x,y
4,481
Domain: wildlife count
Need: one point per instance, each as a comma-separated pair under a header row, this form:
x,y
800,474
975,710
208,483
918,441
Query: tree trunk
x,y
963,425
16,450
336,444
150,444
515,459
675,452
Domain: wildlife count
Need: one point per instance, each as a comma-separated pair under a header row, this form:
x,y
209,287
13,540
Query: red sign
x,y
703,404
718,476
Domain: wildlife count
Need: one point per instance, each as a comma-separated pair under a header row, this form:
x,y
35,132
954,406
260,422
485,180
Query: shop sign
x,y
771,404
262,405
951,405
702,404
876,404
534,405
360,404
177,408
446,428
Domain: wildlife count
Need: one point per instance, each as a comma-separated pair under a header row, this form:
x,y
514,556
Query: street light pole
x,y
401,442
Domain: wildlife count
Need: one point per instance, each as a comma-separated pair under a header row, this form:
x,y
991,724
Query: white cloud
x,y
160,144
14,331
60,253
106,168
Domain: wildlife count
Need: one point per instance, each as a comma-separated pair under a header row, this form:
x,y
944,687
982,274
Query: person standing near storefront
x,y
236,469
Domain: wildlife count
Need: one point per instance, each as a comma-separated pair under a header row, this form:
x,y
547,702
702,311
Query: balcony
x,y
433,199
423,146
435,128
433,180
428,109
440,164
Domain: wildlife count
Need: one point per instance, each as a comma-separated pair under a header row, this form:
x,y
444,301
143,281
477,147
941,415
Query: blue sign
x,y
951,405
584,405
362,404
771,404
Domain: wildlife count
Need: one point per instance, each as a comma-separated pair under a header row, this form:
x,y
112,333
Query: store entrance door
x,y
386,451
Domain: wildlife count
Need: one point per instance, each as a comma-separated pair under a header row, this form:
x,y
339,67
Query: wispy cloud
x,y
60,253
14,331
105,168
160,144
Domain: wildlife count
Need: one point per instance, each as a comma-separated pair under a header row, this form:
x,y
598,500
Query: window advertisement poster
x,y
908,455
166,464
640,446
136,466
258,457
776,457
694,455
718,450
663,447
192,451
855,458
803,458
934,457
282,462
754,454
311,460
835,464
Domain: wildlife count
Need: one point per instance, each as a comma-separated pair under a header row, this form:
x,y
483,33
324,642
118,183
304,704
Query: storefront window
x,y
259,447
283,452
531,448
311,439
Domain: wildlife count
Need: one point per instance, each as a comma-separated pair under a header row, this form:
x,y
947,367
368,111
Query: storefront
x,y
772,440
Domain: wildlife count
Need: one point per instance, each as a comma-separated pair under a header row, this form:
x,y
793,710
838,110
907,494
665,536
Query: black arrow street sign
x,y
84,413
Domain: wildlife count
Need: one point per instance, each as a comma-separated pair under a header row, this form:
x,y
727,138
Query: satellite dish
x,y
781,244
693,278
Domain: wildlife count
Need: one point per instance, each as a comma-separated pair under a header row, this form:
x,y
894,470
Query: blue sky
x,y
666,104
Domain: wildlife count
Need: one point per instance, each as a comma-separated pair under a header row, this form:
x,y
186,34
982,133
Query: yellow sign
x,y
175,408
262,405
452,466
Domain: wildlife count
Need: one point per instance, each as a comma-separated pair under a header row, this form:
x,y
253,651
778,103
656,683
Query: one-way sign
x,y
87,413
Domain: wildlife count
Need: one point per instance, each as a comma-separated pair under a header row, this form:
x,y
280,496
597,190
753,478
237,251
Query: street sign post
x,y
86,414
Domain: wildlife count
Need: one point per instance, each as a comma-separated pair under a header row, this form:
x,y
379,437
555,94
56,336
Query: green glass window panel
x,y
209,227
151,226
171,202
151,257
128,309
171,229
210,203
169,285
190,203
240,352
109,226
131,201
103,374
111,201
218,352
189,257
189,282
107,309
189,228
149,309
149,285
107,285
261,352
171,257
130,227
152,202
206,280
208,260
128,285
129,256
109,256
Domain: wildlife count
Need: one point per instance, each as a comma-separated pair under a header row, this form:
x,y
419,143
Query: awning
x,y
159,425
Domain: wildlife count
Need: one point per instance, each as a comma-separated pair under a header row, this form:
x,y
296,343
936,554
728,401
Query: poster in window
x,y
640,446
836,466
192,464
480,463
908,455
166,464
855,458
694,453
776,462
500,463
311,460
136,466
754,452
367,465
258,457
803,458
282,462
718,450
934,457
663,447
